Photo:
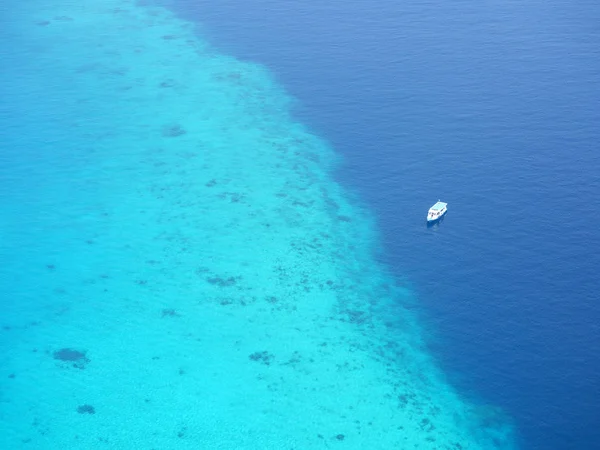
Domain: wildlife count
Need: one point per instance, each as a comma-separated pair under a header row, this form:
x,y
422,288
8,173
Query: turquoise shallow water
x,y
182,269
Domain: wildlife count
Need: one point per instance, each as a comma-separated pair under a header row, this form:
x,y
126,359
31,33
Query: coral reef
x,y
86,409
262,357
75,358
173,131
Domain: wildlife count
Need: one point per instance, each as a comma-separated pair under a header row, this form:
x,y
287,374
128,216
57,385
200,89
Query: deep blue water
x,y
493,107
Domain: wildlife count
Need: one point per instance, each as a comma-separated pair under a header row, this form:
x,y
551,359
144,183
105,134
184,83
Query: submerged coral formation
x,y
86,409
75,358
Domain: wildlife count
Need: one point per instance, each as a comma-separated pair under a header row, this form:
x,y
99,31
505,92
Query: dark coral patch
x,y
168,83
75,357
402,401
170,312
263,357
426,425
68,354
354,316
86,409
233,197
173,131
221,282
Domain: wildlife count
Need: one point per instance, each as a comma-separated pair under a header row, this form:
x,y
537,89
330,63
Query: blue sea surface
x,y
212,224
493,107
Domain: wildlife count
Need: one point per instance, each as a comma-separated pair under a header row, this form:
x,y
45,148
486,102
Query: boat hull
x,y
434,223
432,220
437,211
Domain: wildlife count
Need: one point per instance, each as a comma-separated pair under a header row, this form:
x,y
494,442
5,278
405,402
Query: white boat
x,y
437,211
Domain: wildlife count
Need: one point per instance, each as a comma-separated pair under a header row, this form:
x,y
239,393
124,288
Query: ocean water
x,y
494,108
212,225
